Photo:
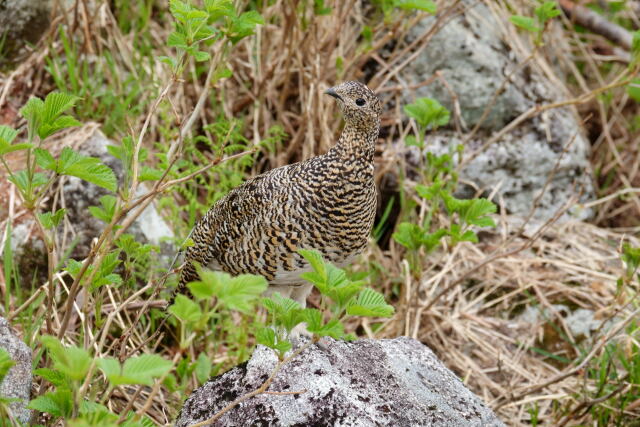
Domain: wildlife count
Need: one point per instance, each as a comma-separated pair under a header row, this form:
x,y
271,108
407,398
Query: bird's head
x,y
360,106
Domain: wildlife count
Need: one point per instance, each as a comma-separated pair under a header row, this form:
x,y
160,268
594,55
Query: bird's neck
x,y
357,142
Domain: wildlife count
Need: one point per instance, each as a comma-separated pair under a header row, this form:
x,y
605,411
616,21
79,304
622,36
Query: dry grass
x,y
466,306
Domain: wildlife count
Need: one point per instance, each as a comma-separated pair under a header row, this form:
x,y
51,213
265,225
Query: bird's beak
x,y
331,91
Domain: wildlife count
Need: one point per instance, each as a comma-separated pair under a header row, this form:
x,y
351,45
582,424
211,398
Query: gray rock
x,y
472,56
17,383
397,382
25,22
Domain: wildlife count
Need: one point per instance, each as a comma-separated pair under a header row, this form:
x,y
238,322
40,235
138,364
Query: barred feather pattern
x,y
327,203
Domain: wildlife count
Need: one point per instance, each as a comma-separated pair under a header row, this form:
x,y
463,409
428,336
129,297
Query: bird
x,y
326,203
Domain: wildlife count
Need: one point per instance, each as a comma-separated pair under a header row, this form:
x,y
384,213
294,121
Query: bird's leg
x,y
300,334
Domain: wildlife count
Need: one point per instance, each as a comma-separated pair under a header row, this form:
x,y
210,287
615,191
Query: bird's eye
x,y
360,102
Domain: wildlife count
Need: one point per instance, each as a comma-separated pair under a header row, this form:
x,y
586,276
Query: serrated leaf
x,y
14,147
428,113
55,104
58,403
110,367
469,236
266,336
285,311
429,192
87,168
149,174
185,309
74,362
54,377
370,303
219,8
145,368
333,328
7,135
422,5
106,210
408,235
50,220
241,292
178,40
47,129
32,111
524,22
44,159
244,25
314,258
201,56
546,11
477,211
203,368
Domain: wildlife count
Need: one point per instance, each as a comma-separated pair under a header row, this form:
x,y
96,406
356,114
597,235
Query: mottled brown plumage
x,y
325,203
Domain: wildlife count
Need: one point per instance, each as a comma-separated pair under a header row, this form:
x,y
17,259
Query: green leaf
x,y
370,303
428,113
244,26
432,240
5,363
32,111
63,122
107,209
55,104
58,403
422,5
201,56
546,11
136,370
635,50
429,192
88,168
74,362
203,368
7,135
111,368
524,22
54,377
218,9
469,236
285,311
408,235
51,220
634,90
478,211
149,174
178,40
314,258
143,369
241,292
185,309
45,160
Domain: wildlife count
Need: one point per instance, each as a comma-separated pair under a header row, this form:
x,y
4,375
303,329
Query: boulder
x,y
24,21
17,383
397,382
473,55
